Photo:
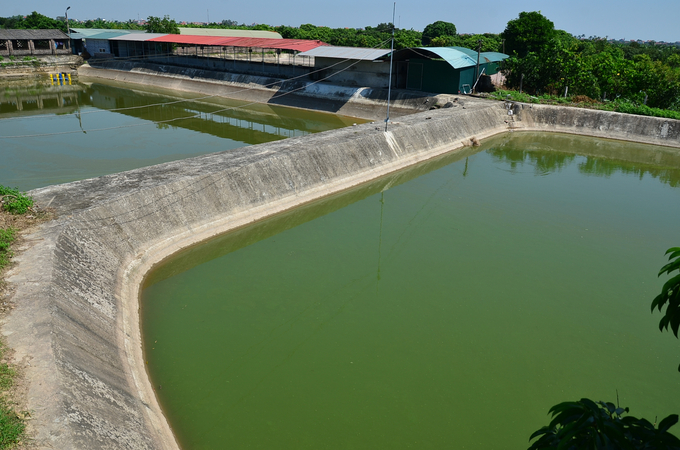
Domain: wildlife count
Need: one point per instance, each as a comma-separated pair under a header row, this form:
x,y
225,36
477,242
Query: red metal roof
x,y
301,45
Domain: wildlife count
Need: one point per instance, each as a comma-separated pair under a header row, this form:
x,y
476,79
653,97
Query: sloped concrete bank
x,y
39,67
77,281
362,102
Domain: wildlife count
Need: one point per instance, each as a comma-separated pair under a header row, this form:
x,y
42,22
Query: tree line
x,y
551,61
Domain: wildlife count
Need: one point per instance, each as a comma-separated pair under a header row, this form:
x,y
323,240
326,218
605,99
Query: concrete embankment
x,y
362,102
40,66
77,281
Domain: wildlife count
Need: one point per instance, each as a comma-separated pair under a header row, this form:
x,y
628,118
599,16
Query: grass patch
x,y
12,426
622,106
7,236
14,201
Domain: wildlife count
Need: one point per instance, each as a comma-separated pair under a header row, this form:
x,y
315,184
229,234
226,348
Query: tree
x,y
438,29
598,425
35,21
670,294
530,32
164,25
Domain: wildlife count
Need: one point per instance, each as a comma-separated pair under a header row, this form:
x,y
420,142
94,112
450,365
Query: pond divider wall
x,y
76,323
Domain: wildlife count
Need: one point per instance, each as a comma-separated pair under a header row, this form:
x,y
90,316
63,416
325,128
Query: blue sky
x,y
657,20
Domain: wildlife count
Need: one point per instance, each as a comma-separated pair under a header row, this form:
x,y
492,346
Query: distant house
x,y
34,42
96,41
446,70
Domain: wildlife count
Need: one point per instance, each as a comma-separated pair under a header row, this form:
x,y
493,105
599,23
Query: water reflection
x,y
39,98
247,123
595,157
55,134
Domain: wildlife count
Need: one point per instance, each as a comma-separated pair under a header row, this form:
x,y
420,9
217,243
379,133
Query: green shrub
x,y
14,201
644,110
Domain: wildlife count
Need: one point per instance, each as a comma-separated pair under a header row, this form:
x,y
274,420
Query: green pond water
x,y
55,134
448,306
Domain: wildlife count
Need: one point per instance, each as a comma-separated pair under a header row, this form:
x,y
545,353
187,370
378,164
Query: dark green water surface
x,y
449,306
55,134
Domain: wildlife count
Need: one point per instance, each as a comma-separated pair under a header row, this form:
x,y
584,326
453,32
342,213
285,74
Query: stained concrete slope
x,y
363,102
77,281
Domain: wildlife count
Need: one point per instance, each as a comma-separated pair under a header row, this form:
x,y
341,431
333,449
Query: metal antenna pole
x,y
389,86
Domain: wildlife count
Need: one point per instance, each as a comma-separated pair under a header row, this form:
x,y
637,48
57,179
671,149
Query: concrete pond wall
x,y
76,328
364,102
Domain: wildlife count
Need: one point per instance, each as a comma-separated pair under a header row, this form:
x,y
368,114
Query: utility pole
x,y
479,49
68,29
389,85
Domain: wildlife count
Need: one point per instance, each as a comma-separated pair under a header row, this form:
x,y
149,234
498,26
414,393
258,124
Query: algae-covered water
x,y
56,134
449,306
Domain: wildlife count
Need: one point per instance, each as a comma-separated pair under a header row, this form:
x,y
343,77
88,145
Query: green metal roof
x,y
456,58
90,32
484,57
106,35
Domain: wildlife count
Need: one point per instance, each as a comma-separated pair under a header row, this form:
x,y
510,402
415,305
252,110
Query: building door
x,y
415,76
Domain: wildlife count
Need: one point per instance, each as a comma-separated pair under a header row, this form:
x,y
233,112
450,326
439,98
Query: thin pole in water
x,y
389,86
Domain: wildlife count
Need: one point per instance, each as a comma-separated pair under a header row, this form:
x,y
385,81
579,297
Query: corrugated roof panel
x,y
471,53
284,44
106,35
87,32
229,33
300,45
455,58
139,37
494,56
32,34
484,57
327,51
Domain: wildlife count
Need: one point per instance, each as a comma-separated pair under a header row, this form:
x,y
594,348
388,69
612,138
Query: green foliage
x,y
599,69
112,25
371,37
437,29
598,425
164,25
644,110
32,21
38,21
528,33
14,201
7,236
11,426
670,293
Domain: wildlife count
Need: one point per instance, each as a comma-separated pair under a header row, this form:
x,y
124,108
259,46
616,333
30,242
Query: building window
x,y
41,44
20,44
